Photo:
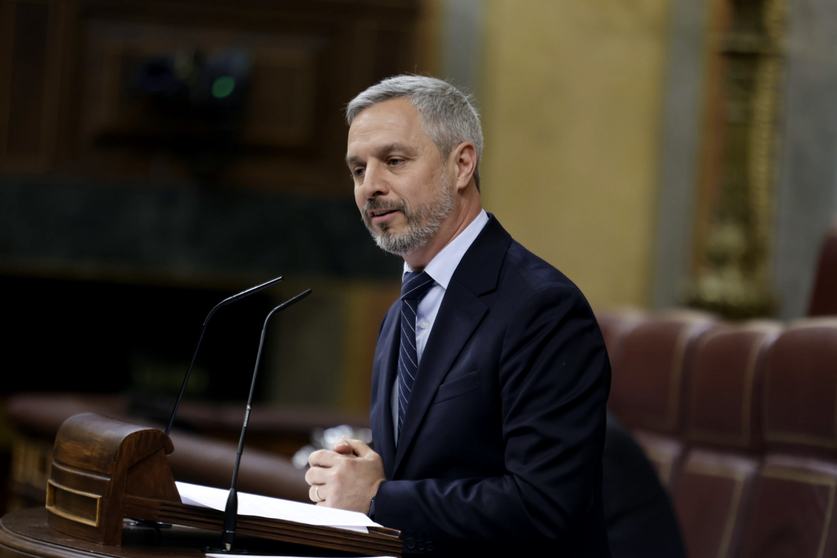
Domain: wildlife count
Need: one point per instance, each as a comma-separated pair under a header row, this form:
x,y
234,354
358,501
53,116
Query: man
x,y
488,396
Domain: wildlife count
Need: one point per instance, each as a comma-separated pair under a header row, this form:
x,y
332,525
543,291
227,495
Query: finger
x,y
360,449
315,475
343,446
322,458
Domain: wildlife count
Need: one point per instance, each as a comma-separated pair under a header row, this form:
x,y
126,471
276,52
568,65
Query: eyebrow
x,y
384,149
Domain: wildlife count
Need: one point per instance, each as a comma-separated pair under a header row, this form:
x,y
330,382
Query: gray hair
x,y
447,115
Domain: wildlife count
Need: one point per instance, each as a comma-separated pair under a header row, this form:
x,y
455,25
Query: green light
x,y
222,87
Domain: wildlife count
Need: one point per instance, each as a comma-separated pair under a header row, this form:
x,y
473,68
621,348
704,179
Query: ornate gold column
x,y
740,139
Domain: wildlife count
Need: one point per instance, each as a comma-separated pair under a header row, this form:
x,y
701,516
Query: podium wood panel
x,y
26,534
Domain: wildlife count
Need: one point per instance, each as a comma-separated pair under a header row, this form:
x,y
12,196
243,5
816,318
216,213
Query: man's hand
x,y
346,478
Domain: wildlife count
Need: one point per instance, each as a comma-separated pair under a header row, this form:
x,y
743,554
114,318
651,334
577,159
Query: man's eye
x,y
357,172
394,161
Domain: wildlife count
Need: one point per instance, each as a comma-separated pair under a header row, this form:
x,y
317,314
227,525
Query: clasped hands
x,y
347,477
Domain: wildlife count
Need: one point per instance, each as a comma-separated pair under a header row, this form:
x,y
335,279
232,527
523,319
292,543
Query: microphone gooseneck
x,y
228,300
231,511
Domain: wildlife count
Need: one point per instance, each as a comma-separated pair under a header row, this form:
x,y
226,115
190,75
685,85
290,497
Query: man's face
x,y
401,185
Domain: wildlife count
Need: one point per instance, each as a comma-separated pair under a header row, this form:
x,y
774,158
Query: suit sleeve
x,y
553,381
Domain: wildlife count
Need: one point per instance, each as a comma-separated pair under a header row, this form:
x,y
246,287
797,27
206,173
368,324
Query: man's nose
x,y
374,182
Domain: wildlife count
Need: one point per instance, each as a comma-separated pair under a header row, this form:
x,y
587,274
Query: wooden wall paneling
x,y
280,109
293,134
67,72
6,57
29,66
53,85
27,80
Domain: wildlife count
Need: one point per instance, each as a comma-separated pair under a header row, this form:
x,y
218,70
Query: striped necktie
x,y
414,287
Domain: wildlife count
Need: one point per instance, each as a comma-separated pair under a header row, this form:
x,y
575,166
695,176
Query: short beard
x,y
422,223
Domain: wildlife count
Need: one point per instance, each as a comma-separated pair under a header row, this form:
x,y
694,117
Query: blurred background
x,y
157,156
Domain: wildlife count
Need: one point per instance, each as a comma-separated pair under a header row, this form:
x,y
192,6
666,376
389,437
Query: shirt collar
x,y
442,266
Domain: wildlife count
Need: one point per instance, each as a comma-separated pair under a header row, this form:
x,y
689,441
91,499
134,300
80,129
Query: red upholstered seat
x,y
714,490
794,493
800,391
723,401
647,388
713,500
649,380
664,452
793,509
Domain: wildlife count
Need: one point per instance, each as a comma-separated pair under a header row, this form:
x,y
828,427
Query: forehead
x,y
395,121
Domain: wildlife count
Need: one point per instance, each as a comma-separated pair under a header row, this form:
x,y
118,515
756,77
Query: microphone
x,y
228,300
231,510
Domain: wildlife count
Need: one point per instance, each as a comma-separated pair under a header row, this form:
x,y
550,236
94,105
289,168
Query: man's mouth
x,y
379,212
381,217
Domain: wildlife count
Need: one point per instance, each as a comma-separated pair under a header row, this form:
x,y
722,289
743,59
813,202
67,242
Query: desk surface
x,y
25,533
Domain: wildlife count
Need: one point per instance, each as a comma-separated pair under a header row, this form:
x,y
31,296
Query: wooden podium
x,y
105,470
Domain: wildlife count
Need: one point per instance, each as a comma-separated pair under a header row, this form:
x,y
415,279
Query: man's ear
x,y
464,157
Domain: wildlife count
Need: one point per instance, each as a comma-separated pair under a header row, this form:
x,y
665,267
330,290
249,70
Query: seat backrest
x,y
648,387
723,408
800,390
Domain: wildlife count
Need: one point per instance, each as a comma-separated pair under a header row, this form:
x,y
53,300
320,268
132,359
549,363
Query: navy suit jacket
x,y
501,447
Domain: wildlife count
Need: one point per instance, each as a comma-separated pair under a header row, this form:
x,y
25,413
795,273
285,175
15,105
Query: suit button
x,y
410,543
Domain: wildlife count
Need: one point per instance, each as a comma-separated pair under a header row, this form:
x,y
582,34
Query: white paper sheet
x,y
274,508
282,556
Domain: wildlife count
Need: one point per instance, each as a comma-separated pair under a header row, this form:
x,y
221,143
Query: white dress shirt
x,y
440,269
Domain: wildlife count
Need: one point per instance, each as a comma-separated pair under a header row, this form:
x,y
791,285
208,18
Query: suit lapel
x,y
381,419
459,316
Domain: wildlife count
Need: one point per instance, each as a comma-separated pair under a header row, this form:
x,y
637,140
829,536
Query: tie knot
x,y
415,285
